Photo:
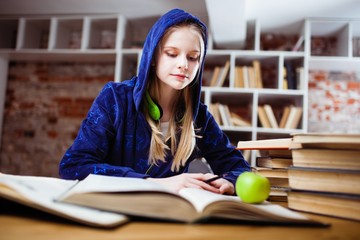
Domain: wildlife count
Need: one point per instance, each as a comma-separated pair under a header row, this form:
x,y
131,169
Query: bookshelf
x,y
115,39
242,92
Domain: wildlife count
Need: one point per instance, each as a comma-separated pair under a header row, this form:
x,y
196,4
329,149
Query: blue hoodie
x,y
114,138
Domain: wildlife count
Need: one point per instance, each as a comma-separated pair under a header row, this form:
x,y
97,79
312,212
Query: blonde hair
x,y
182,148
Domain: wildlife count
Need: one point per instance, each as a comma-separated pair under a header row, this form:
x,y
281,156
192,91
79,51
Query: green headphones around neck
x,y
154,109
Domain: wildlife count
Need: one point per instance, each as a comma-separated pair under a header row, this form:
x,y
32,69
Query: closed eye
x,y
193,58
171,55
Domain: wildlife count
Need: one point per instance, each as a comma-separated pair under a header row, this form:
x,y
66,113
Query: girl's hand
x,y
224,186
196,180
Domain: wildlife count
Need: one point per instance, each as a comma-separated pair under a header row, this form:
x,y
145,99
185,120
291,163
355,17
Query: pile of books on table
x,y
324,175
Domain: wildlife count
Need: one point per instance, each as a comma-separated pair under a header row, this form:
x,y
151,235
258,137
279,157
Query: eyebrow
x,y
175,48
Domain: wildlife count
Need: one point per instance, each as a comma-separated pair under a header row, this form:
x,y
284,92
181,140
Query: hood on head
x,y
173,17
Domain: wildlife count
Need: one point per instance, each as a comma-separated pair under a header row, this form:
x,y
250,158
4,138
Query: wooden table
x,y
34,225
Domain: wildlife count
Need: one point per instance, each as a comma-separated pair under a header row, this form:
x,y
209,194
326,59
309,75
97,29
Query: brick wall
x,y
45,104
334,102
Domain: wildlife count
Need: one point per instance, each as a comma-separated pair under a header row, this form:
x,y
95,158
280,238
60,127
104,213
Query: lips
x,y
182,76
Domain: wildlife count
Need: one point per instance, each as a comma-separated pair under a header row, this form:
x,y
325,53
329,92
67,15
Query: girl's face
x,y
178,59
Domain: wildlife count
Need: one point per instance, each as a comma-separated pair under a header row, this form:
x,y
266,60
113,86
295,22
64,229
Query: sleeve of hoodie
x,y
216,148
88,153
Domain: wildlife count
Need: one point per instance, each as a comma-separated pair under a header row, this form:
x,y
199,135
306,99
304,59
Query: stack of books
x,y
325,175
274,160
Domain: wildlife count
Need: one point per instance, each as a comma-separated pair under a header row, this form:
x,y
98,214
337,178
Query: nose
x,y
183,62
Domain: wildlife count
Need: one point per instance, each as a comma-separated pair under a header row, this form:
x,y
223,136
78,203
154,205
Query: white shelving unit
x,y
112,38
343,33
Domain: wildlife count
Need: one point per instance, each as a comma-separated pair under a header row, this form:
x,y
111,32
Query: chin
x,y
179,87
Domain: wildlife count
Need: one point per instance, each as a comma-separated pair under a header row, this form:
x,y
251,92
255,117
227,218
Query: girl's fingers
x,y
205,186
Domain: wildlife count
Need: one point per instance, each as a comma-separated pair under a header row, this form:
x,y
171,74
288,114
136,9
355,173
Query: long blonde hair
x,y
183,125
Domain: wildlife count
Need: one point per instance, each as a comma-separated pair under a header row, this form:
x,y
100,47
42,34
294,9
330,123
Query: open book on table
x,y
40,192
142,198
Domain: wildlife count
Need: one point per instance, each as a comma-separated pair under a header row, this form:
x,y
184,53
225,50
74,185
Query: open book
x,y
40,192
142,198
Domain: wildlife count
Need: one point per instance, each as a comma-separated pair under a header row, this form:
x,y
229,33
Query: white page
x,y
201,198
43,191
100,183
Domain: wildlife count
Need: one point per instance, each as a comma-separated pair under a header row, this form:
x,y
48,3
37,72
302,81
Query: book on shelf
x,y
219,75
225,115
293,118
228,114
326,158
284,117
223,74
246,78
290,118
331,204
290,75
239,77
264,120
214,110
40,192
284,81
249,76
300,77
237,120
325,180
142,198
257,71
271,116
215,76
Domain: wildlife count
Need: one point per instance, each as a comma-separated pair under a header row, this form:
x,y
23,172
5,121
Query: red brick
x,y
351,101
353,86
52,134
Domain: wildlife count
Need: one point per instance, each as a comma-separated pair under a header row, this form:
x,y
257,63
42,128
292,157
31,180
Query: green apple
x,y
252,187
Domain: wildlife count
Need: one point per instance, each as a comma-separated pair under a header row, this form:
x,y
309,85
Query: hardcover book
x,y
142,198
331,204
